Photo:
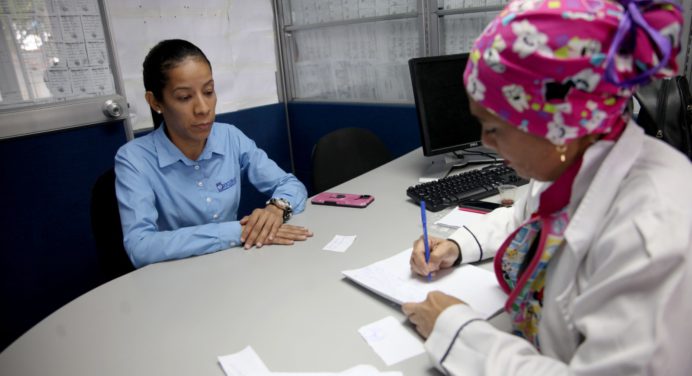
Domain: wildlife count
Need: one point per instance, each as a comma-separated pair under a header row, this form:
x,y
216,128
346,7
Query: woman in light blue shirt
x,y
178,187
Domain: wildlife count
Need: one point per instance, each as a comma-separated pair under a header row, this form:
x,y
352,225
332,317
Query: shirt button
x,y
215,216
208,199
196,167
200,184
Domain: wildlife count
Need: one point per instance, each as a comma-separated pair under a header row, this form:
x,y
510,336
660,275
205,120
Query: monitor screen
x,y
446,124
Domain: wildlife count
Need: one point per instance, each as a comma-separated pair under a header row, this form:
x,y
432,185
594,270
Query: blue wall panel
x,y
48,257
396,125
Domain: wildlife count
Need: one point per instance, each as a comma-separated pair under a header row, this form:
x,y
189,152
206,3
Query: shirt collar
x,y
612,161
214,143
169,154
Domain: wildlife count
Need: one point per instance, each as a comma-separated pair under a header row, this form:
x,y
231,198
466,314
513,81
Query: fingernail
x,y
259,245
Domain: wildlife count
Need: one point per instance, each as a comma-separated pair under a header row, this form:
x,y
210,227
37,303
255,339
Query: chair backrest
x,y
106,228
344,154
666,112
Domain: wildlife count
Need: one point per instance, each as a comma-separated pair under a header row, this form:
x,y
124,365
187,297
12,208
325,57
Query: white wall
x,y
236,35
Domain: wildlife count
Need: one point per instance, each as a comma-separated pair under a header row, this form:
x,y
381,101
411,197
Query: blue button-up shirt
x,y
173,207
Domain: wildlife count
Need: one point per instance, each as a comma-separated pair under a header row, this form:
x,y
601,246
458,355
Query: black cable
x,y
476,152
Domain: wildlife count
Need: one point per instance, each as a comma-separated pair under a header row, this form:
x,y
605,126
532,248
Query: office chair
x,y
106,228
344,154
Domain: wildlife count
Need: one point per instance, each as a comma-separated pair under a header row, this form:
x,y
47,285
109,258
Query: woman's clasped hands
x,y
266,226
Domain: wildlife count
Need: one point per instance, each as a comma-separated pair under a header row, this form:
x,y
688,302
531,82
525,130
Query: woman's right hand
x,y
443,253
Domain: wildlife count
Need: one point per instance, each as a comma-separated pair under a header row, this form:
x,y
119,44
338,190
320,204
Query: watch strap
x,y
282,204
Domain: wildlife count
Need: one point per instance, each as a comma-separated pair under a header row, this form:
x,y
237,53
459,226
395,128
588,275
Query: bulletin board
x,y
52,51
56,67
351,50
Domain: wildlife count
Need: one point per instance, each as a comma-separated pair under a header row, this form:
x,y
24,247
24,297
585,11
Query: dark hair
x,y
166,55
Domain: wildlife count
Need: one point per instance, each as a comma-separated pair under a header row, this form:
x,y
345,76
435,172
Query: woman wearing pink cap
x,y
595,259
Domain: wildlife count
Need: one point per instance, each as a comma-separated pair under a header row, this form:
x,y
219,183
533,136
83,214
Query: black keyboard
x,y
470,185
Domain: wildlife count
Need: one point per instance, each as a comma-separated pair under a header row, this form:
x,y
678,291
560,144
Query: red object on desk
x,y
473,210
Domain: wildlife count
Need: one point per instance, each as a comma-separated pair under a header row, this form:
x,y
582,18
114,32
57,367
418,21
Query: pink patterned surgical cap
x,y
562,69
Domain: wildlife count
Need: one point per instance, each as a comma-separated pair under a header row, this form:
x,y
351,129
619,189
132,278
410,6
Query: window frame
x,y
428,18
48,117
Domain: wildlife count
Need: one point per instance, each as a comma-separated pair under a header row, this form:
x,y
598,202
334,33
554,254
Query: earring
x,y
158,112
561,149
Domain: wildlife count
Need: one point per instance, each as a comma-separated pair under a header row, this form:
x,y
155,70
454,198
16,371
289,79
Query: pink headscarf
x,y
562,69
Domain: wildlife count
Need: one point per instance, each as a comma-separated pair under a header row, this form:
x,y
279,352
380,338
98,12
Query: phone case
x,y
342,199
480,206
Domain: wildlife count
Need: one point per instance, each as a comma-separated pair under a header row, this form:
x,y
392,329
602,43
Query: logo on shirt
x,y
224,186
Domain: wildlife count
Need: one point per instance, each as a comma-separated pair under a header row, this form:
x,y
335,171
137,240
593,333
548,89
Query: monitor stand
x,y
440,166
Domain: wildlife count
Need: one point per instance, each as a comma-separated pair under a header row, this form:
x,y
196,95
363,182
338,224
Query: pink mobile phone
x,y
342,199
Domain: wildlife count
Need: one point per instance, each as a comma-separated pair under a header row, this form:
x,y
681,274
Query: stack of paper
x,y
392,278
248,363
459,217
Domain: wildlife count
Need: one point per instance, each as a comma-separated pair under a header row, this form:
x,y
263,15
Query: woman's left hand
x,y
260,227
288,234
424,314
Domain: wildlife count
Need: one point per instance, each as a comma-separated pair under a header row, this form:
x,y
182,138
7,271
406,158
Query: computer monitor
x,y
446,123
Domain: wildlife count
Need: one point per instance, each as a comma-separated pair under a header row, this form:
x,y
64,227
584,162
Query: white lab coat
x,y
618,295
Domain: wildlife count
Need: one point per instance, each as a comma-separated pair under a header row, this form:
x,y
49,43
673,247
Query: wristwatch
x,y
282,204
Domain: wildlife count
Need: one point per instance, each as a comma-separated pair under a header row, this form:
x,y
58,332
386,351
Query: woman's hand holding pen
x,y
423,315
443,253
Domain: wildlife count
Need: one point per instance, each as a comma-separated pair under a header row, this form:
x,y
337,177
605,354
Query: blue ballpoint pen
x,y
425,235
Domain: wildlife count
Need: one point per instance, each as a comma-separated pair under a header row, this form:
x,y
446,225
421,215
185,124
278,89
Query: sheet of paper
x,y
93,28
391,341
72,29
243,363
368,370
76,55
458,218
359,370
340,243
247,363
392,279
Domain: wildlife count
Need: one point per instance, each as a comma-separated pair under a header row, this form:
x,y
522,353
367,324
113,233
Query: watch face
x,y
281,203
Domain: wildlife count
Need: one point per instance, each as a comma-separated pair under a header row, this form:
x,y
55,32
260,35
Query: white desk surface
x,y
291,304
